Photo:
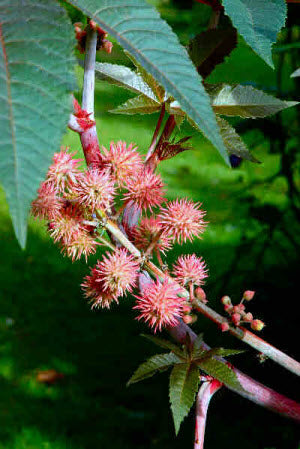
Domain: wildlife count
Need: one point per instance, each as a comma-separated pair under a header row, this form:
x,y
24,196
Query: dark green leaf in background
x,y
210,48
139,29
259,22
36,62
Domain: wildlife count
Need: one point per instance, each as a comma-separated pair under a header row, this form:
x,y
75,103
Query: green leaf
x,y
244,101
233,141
159,362
259,22
220,371
166,344
184,383
210,48
295,74
36,61
198,349
155,87
122,76
221,352
138,28
138,105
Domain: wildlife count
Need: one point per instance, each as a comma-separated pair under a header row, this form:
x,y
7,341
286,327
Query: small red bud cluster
x,y
238,314
81,32
74,202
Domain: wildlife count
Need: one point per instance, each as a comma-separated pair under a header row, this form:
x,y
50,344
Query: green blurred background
x,y
251,243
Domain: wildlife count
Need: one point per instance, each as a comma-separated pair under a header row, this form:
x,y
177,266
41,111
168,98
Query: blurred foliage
x,y
252,242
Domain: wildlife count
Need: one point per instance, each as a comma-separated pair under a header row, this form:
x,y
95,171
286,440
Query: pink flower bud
x,y
226,300
257,325
248,317
200,294
239,308
187,319
107,46
228,308
224,327
248,295
236,318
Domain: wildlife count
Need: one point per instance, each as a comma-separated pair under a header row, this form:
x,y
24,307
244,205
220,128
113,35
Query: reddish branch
x,y
205,393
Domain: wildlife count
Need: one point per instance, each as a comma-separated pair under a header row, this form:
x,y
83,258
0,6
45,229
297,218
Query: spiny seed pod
x,y
257,325
248,295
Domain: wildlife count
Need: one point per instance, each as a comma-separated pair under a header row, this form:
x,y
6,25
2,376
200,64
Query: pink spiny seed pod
x,y
248,317
182,220
226,300
248,295
117,272
159,305
144,190
236,318
146,233
201,295
95,293
82,245
94,189
48,204
68,225
224,326
190,268
257,325
63,171
122,161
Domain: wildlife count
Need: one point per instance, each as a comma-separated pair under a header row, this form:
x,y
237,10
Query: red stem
x,y
205,393
156,132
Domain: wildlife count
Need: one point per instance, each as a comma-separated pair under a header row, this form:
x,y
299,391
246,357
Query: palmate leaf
x,y
184,383
220,371
220,352
233,141
36,61
139,29
159,362
138,105
259,22
122,76
244,101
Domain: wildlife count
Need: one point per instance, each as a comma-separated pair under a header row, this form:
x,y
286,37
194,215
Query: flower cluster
x,y
122,188
238,314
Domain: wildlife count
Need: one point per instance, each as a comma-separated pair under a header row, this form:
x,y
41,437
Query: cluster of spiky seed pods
x,y
129,193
